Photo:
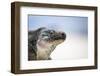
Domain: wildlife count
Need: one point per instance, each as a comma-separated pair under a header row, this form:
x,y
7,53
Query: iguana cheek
x,y
41,44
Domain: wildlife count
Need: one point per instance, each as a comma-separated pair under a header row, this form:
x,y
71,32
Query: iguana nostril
x,y
63,35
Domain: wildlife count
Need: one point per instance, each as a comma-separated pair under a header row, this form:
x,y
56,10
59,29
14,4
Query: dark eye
x,y
52,31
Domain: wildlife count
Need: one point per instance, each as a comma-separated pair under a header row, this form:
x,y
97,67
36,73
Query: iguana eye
x,y
45,37
52,31
44,34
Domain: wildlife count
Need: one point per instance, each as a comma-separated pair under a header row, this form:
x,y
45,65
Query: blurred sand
x,y
74,47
